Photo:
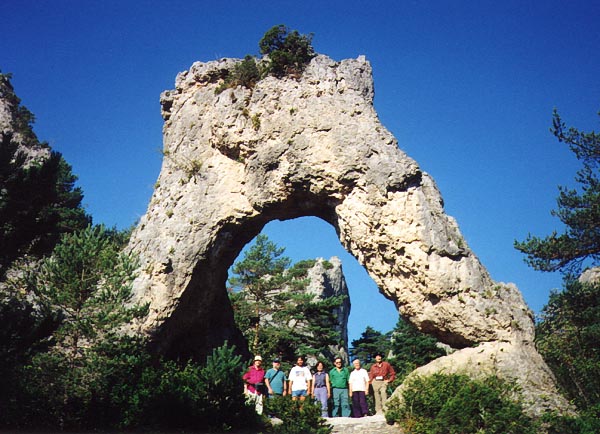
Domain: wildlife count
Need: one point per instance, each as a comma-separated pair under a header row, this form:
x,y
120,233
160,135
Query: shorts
x,y
296,393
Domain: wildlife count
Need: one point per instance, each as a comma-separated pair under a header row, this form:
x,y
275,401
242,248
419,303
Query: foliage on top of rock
x,y
245,73
288,50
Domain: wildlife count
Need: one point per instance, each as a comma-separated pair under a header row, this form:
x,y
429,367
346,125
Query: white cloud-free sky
x,y
467,87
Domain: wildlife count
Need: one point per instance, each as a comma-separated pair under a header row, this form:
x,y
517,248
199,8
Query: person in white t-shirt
x,y
359,389
299,380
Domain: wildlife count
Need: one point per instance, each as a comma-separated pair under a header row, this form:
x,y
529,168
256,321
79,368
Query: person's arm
x,y
366,376
392,373
285,385
350,385
328,385
245,379
268,384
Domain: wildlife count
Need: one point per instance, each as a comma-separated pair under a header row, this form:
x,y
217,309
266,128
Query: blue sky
x,y
467,87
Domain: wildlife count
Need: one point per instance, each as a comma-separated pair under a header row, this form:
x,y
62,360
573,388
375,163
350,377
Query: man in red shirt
x,y
380,374
253,384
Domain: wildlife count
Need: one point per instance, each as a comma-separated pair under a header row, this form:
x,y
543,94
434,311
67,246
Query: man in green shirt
x,y
338,377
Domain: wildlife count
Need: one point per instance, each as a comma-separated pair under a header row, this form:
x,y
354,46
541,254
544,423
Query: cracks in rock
x,y
448,337
412,180
166,104
433,299
454,256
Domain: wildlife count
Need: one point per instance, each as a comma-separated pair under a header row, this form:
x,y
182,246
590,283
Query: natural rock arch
x,y
313,146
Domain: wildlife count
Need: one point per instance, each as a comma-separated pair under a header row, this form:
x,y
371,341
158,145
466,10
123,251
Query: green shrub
x,y
587,422
244,73
298,417
49,392
457,404
288,54
121,386
289,51
568,338
174,396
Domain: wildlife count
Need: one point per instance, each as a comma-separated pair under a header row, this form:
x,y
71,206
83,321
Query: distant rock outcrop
x,y
11,123
327,280
313,146
591,275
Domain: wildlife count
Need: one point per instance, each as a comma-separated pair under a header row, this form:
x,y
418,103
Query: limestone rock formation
x,y
311,146
520,363
591,275
10,124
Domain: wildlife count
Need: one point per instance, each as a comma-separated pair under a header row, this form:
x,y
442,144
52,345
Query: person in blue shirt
x,y
321,388
275,380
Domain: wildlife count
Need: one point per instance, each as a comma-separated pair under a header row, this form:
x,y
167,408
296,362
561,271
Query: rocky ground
x,y
366,425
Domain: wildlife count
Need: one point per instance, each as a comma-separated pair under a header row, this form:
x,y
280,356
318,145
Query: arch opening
x,y
309,238
189,332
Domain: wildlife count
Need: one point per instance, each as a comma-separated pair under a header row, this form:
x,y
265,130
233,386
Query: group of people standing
x,y
339,384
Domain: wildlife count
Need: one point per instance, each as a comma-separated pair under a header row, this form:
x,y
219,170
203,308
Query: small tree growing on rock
x,y
289,51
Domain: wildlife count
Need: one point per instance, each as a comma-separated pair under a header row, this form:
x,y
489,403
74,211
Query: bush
x,y
457,404
568,337
120,386
298,417
244,73
173,396
588,422
289,51
50,393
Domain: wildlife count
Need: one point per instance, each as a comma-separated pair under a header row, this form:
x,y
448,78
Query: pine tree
x,y
568,335
411,348
260,275
272,308
85,286
579,210
289,51
87,282
38,198
369,343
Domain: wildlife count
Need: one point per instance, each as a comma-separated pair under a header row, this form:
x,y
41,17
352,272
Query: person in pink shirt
x,y
254,384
